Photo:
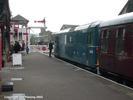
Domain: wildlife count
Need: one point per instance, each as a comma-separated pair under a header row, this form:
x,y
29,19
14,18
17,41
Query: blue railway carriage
x,y
79,45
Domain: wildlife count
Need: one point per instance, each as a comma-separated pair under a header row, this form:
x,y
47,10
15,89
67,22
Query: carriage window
x,y
120,35
129,40
106,34
104,41
90,38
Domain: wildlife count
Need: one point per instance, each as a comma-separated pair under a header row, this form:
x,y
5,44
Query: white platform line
x,y
16,68
16,79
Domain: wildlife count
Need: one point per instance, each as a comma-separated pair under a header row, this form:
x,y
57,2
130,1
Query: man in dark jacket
x,y
17,47
50,48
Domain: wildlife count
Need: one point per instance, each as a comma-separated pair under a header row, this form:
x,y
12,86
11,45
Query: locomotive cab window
x,y
120,35
90,38
70,39
65,39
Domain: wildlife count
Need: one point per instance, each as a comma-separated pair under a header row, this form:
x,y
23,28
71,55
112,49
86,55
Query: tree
x,y
33,39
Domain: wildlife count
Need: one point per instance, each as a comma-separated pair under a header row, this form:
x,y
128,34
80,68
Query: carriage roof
x,y
122,19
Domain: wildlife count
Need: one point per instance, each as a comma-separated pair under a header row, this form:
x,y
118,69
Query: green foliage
x,y
33,39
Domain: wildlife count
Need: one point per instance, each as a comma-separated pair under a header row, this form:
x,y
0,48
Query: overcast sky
x,y
59,12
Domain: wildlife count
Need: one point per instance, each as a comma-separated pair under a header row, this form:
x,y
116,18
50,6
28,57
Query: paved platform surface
x,y
54,79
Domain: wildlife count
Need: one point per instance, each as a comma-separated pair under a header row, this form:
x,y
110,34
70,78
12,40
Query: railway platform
x,y
47,78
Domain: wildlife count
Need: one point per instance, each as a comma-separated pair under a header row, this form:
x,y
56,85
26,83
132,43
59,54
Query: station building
x,y
19,30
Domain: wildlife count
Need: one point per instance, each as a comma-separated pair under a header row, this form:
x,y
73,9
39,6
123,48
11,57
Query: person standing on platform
x,y
16,47
27,49
50,47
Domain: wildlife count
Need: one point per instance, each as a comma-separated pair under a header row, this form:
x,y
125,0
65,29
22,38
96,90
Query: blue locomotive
x,y
79,45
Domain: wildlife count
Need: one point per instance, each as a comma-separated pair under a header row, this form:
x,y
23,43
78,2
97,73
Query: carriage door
x,y
110,62
56,49
91,48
